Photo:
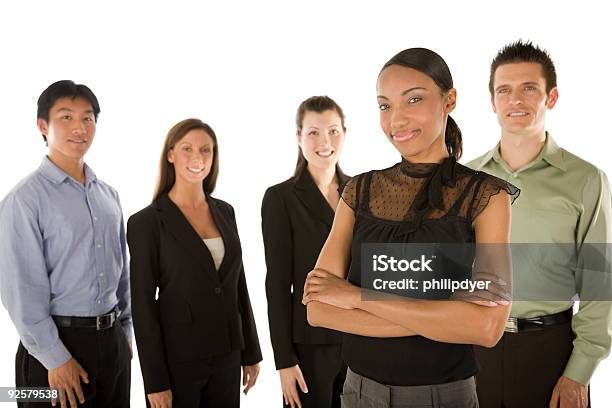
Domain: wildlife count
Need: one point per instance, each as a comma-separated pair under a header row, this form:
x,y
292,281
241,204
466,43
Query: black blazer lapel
x,y
308,193
231,241
178,226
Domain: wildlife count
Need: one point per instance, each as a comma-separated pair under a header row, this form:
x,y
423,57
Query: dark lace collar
x,y
437,177
446,166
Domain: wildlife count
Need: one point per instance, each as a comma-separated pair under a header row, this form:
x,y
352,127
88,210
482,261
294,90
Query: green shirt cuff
x,y
580,368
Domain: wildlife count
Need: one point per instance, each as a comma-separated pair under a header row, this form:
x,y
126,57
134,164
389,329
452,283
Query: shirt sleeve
x,y
492,262
24,282
278,244
487,187
123,289
593,322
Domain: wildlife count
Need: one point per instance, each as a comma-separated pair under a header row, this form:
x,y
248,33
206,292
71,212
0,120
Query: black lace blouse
x,y
414,203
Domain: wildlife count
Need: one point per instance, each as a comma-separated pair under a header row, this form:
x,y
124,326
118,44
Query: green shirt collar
x,y
551,153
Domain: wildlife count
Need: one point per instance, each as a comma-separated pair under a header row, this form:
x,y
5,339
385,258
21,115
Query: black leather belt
x,y
516,325
102,322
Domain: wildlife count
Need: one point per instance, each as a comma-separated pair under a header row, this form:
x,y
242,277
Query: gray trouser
x,y
361,392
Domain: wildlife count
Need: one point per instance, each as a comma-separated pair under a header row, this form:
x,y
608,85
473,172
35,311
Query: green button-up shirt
x,y
564,200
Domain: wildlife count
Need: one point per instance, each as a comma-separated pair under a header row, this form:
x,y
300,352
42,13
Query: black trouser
x,y
522,370
210,383
103,354
324,373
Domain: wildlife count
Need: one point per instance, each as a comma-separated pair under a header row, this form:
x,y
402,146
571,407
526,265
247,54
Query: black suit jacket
x,y
200,312
296,220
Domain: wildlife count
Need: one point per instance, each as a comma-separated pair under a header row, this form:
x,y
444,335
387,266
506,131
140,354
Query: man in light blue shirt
x,y
64,275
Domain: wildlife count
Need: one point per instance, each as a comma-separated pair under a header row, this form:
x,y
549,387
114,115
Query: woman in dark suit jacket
x,y
196,334
297,215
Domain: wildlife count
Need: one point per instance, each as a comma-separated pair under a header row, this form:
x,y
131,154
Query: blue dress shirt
x,y
62,252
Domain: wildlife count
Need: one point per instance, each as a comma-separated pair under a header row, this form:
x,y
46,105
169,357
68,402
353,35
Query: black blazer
x,y
200,312
296,220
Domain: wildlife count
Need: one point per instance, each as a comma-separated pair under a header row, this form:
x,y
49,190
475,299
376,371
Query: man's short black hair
x,y
525,51
65,89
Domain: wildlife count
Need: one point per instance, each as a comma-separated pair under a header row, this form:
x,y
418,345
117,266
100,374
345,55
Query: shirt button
x,y
99,246
101,274
217,291
95,218
99,301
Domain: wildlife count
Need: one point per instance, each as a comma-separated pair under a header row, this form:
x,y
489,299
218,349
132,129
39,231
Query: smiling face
x,y
520,99
413,112
321,138
192,157
70,129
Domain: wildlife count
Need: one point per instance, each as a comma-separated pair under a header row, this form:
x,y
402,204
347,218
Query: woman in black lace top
x,y
412,352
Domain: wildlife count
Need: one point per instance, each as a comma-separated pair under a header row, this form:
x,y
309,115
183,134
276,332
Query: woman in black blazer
x,y
297,215
196,333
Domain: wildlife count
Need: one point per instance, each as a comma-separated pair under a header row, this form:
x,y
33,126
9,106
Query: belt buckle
x,y
511,325
109,319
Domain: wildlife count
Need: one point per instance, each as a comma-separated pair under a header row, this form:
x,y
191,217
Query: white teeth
x,y
514,114
194,170
325,153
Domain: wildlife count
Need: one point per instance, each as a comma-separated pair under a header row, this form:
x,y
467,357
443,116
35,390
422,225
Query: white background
x,y
244,68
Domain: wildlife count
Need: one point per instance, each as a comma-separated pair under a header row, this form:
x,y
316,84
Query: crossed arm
x,y
334,303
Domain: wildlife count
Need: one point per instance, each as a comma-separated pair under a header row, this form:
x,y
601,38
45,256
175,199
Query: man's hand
x,y
569,394
67,379
162,399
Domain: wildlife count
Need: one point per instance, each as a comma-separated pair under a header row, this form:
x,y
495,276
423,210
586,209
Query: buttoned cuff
x,y
580,368
54,357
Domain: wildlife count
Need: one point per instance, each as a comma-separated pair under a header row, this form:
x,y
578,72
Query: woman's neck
x,y
323,177
436,153
188,195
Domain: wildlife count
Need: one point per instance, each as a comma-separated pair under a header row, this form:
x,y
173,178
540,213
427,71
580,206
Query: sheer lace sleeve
x,y
349,192
487,187
342,185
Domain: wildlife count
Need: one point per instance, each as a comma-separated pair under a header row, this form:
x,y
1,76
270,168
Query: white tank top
x,y
216,248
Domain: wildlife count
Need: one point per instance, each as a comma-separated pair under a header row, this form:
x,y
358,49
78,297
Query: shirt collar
x,y
551,153
57,175
490,155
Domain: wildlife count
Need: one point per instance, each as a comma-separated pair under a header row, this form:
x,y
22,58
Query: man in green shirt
x,y
547,360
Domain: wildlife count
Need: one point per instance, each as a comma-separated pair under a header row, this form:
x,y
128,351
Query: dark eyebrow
x,y
70,110
405,92
522,84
